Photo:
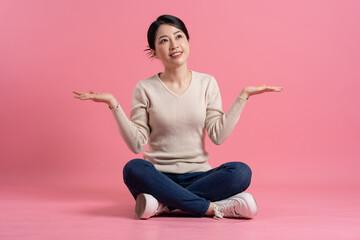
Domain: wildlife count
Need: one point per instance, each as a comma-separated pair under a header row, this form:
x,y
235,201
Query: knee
x,y
242,173
134,167
239,168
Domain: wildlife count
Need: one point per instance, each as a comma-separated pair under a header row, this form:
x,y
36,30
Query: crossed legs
x,y
190,192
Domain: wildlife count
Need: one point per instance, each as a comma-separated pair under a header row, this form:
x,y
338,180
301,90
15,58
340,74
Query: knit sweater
x,y
174,125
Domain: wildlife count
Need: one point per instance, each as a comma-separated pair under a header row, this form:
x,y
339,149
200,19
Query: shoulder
x,y
147,85
147,82
202,76
204,79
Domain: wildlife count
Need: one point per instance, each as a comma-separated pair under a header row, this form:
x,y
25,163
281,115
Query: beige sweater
x,y
174,126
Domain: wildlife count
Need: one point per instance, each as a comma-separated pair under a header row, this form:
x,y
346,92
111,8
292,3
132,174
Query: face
x,y
171,46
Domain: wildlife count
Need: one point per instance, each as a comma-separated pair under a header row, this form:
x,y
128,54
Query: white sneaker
x,y
147,206
241,205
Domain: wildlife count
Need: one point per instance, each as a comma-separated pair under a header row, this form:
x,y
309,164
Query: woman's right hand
x,y
107,98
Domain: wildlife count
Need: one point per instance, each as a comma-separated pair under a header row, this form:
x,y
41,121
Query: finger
x,y
93,92
84,97
81,97
78,93
277,89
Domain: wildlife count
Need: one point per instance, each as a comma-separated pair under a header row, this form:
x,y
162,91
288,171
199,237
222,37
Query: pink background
x,y
308,134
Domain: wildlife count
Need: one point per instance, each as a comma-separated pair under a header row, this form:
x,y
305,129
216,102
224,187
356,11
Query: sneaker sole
x,y
140,206
146,206
251,204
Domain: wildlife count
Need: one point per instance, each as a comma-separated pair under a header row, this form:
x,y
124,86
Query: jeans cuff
x,y
206,207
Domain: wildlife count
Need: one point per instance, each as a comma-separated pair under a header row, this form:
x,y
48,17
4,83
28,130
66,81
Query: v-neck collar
x,y
176,95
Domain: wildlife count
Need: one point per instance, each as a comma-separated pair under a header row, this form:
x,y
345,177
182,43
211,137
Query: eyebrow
x,y
166,35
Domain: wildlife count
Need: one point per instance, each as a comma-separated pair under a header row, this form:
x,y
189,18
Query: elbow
x,y
217,140
137,148
217,143
135,143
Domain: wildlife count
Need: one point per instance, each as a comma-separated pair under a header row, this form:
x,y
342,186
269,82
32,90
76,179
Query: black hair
x,y
163,19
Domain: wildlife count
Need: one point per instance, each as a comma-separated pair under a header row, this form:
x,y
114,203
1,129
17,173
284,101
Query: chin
x,y
179,64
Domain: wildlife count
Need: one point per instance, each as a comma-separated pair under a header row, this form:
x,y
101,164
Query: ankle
x,y
210,212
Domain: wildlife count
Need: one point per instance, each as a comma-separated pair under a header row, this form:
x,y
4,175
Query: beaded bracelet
x,y
244,99
115,107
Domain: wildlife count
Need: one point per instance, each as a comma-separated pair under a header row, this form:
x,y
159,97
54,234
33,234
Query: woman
x,y
170,112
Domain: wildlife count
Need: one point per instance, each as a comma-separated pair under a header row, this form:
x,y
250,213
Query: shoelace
x,y
161,209
225,209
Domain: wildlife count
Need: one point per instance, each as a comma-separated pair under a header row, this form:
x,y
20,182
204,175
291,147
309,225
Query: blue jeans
x,y
189,192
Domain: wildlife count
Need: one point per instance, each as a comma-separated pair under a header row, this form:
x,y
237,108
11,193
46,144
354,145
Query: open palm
x,y
261,89
94,96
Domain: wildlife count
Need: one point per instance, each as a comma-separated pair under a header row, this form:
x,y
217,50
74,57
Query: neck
x,y
178,74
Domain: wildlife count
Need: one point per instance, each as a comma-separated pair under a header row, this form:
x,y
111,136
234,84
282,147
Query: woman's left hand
x,y
249,91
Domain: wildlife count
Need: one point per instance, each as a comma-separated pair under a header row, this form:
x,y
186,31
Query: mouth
x,y
176,54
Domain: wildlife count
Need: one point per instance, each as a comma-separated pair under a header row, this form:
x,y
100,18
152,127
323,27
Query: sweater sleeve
x,y
219,125
135,132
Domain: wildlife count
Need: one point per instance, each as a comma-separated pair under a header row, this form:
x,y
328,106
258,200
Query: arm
x,y
219,125
135,131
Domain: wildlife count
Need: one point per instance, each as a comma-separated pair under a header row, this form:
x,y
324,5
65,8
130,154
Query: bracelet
x,y
243,98
115,107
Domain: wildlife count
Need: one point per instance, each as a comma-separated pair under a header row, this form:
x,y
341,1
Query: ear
x,y
154,54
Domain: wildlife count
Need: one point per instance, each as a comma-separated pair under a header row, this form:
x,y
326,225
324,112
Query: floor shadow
x,y
116,211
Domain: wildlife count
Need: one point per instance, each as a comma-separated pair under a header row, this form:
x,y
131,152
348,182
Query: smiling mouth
x,y
176,54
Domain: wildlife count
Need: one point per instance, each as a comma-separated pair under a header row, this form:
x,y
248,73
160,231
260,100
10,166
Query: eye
x,y
179,36
163,40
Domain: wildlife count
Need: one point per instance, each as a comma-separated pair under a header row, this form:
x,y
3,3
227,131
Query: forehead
x,y
166,29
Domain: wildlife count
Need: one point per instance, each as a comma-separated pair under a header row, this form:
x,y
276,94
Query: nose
x,y
173,45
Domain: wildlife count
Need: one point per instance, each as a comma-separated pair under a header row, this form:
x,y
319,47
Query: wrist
x,y
244,95
113,104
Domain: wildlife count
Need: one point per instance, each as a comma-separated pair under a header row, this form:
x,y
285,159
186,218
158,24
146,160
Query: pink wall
x,y
307,134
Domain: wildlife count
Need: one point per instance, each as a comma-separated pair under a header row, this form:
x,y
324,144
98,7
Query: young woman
x,y
171,111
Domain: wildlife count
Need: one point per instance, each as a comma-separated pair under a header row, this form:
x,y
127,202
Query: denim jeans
x,y
189,192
